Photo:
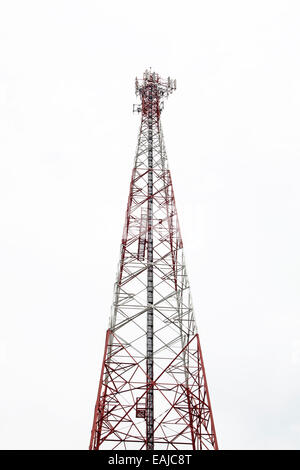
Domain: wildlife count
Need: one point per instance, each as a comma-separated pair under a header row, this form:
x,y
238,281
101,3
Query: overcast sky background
x,y
67,143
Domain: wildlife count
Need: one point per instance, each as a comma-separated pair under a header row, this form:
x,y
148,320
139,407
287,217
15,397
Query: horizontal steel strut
x,y
152,348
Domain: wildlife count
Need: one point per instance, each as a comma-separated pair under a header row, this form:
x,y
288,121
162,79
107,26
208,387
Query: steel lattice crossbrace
x,y
153,392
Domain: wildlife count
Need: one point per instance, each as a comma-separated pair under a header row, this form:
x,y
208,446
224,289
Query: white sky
x,y
67,142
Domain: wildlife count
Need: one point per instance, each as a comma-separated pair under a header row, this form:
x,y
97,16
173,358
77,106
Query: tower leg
x,y
100,403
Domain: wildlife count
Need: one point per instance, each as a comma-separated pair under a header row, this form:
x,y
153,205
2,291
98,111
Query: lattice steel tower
x,y
153,392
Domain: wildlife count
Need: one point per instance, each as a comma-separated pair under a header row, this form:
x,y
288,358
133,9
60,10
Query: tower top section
x,y
152,89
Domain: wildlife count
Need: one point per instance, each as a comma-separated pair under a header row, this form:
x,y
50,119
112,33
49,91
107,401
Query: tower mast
x,y
153,390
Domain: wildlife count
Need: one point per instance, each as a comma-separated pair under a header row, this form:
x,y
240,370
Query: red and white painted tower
x,y
153,391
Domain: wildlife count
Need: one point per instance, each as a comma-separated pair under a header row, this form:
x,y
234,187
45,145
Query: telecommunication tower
x,y
153,391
